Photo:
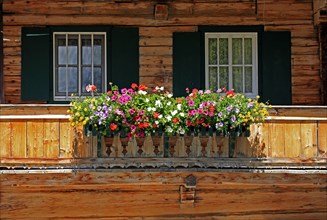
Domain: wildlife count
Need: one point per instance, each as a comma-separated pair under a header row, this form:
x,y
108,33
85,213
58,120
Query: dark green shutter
x,y
276,86
35,64
124,58
186,62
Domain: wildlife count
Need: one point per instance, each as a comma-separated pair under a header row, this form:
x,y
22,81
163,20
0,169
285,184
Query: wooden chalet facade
x,y
51,170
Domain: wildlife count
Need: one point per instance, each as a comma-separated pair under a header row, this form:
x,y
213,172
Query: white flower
x,y
149,109
147,100
179,106
173,113
162,88
170,95
182,114
142,92
158,103
181,130
153,109
168,103
168,117
169,129
156,122
160,116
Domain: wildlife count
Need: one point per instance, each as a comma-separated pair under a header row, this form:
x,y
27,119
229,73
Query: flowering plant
x,y
138,112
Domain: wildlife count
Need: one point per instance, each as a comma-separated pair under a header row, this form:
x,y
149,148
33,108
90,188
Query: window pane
x,y
98,44
72,49
213,81
237,50
223,77
86,78
237,79
223,50
61,45
98,79
72,80
212,51
248,79
61,83
86,49
248,50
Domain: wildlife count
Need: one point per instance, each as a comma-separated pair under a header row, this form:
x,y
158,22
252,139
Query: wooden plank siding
x,y
156,195
156,35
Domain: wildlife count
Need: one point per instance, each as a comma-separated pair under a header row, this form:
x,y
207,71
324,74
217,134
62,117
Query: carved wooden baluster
x,y
188,139
109,141
204,142
139,143
156,140
124,143
172,143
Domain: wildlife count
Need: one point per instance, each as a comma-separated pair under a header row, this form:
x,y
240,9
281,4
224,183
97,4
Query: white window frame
x,y
68,97
254,65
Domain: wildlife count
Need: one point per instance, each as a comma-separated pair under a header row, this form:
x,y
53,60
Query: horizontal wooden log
x,y
125,195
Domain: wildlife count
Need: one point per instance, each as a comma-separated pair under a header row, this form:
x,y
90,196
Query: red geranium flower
x,y
156,114
142,87
113,126
134,86
230,93
175,120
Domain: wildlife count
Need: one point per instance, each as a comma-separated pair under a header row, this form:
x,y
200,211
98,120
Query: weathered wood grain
x,y
51,139
322,139
19,141
125,195
34,136
5,139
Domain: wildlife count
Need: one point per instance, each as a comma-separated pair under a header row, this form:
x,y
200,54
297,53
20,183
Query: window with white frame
x,y
79,59
231,62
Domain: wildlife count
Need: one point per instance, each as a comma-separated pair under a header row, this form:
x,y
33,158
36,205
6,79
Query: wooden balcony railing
x,y
41,134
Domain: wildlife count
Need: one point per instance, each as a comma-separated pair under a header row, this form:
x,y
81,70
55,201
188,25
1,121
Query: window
x,y
60,60
79,60
231,62
245,58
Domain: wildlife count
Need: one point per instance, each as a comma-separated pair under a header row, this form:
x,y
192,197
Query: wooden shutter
x,y
187,62
35,64
124,57
276,86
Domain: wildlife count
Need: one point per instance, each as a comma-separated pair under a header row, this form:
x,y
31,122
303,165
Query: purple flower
x,y
220,114
123,90
250,104
99,108
233,119
229,108
131,111
220,124
237,110
190,102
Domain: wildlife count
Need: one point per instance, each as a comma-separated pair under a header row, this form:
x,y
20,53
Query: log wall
x,y
162,195
156,35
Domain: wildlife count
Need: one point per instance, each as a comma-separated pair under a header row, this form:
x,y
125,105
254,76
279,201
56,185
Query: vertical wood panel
x,y
322,139
66,139
243,147
292,139
265,148
35,138
19,146
51,138
309,139
277,139
5,139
